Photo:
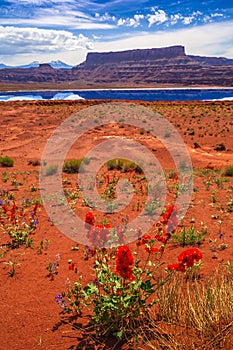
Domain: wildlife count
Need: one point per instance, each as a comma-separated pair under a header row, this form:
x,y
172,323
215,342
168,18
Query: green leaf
x,y
119,334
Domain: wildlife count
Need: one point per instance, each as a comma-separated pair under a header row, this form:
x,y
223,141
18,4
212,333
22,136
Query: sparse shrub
x,y
196,145
72,166
220,147
191,132
167,134
189,237
229,171
51,170
123,165
34,162
6,161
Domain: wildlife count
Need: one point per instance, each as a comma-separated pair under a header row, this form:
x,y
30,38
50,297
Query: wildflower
x,y
170,219
72,266
144,239
189,256
60,301
58,257
89,220
35,208
124,263
89,251
120,234
151,250
186,259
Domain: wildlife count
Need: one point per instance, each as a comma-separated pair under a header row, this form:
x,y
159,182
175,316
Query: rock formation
x,y
134,68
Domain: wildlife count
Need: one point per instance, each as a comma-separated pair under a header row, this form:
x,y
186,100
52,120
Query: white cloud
x,y
30,40
105,17
130,22
41,2
188,19
175,18
158,17
61,15
216,15
57,21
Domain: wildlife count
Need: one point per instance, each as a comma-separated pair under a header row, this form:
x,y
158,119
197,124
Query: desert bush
x,y
123,165
6,161
34,162
51,170
229,171
189,236
196,145
220,147
72,166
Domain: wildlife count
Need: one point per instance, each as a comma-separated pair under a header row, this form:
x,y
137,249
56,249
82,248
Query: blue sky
x,y
46,30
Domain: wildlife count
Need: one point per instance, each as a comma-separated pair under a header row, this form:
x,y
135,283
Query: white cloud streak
x,y
22,40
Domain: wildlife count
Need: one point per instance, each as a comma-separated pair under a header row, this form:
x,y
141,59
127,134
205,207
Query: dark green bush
x,y
34,162
220,147
229,171
6,162
123,165
71,166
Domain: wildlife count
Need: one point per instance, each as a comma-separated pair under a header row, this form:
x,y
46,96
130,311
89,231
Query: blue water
x,y
123,94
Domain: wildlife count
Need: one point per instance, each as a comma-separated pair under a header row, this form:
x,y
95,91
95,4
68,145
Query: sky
x,y
66,30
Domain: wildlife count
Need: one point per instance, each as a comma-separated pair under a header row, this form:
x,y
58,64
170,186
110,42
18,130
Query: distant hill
x,y
131,68
35,64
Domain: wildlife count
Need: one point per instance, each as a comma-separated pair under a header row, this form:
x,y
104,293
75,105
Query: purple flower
x,y
60,301
54,267
58,257
88,249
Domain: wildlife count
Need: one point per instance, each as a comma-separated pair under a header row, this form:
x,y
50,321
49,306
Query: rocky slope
x,y
148,67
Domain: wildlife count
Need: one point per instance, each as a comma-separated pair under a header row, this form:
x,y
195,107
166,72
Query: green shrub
x,y
6,162
229,171
71,166
51,170
34,162
189,236
123,165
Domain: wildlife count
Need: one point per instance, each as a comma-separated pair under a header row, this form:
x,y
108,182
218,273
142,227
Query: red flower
x,y
5,208
72,266
189,256
89,218
151,250
124,263
144,239
186,259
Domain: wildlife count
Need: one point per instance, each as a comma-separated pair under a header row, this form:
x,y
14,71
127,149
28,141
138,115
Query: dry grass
x,y
193,314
